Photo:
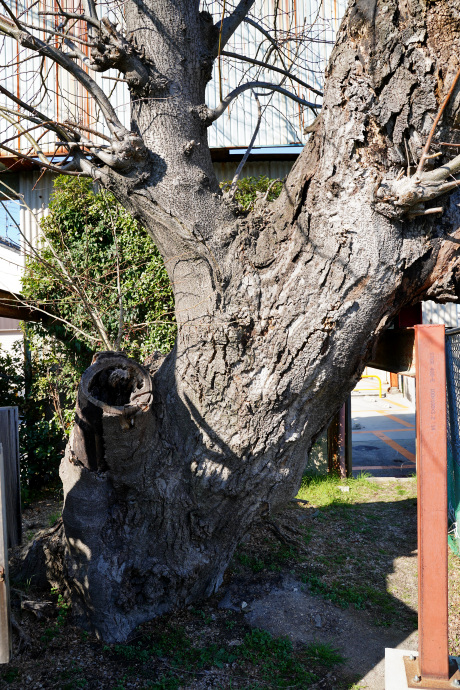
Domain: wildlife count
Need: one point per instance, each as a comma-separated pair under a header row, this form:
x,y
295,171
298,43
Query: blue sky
x,y
8,228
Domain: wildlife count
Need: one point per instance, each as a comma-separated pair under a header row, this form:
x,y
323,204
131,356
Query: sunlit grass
x,y
325,490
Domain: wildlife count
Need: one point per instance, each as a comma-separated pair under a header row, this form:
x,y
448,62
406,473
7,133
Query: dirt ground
x,y
311,599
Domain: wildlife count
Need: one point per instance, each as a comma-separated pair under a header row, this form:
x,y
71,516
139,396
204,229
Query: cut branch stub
x,y
113,389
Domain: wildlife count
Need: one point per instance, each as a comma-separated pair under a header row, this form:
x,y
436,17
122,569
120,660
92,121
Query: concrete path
x,y
383,435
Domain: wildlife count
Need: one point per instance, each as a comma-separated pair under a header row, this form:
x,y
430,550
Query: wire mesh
x,y
453,437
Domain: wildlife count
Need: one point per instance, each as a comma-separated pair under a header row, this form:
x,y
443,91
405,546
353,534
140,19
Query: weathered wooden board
x,y
9,438
5,617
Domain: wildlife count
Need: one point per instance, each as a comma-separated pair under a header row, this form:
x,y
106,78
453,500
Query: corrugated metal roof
x,y
271,169
304,31
440,313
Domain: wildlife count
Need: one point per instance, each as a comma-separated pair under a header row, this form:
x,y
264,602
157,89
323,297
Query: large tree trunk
x,y
278,311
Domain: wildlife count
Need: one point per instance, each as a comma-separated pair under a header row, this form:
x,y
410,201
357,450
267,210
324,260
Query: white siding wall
x,y
11,263
440,313
283,120
271,169
36,189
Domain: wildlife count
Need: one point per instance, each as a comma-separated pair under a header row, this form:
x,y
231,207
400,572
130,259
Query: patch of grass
x,y
131,652
280,665
324,654
49,634
260,656
274,557
54,518
11,674
322,490
166,682
206,618
254,564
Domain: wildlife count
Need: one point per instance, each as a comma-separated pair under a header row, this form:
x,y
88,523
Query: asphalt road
x,y
383,435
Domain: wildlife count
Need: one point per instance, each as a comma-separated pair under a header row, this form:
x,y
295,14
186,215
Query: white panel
x,y
271,169
10,268
305,29
36,189
440,313
311,27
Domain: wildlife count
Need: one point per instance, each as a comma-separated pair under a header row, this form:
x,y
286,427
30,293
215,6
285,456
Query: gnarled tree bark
x,y
278,311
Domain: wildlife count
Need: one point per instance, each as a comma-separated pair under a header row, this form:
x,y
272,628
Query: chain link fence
x,y
453,435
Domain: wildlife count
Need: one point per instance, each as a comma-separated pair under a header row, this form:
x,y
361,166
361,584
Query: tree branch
x,y
229,25
426,148
93,21
27,40
220,109
36,113
272,68
239,169
54,168
90,8
408,194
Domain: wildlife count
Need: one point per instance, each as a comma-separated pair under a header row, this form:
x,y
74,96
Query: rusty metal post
x,y
342,449
394,385
348,438
336,444
432,501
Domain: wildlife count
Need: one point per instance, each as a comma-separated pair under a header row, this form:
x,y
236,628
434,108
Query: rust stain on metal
x,y
432,501
413,672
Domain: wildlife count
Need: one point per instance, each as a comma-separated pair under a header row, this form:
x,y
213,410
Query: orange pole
x,y
432,501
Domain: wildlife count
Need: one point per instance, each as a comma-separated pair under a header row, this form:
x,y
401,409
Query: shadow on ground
x,y
352,585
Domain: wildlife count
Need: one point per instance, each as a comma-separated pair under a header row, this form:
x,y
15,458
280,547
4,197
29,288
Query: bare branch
x,y
54,168
272,68
36,113
90,7
229,25
220,109
55,32
264,32
93,21
239,169
24,132
75,126
409,192
424,155
31,42
11,14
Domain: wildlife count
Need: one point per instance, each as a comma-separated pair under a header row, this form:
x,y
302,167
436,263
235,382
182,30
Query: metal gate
x,y
453,435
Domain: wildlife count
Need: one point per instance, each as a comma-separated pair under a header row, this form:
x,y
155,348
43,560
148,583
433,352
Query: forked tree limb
x,y
27,40
214,114
231,23
272,68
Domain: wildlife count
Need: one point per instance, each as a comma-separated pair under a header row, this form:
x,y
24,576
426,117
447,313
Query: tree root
x,y
24,639
42,563
280,529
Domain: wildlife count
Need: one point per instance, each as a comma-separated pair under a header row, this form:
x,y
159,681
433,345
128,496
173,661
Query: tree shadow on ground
x,y
352,584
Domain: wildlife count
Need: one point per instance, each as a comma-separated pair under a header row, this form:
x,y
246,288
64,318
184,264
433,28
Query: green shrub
x,y
249,187
92,240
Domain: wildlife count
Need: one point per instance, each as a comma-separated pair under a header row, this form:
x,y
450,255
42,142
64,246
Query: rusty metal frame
x,y
339,449
433,661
